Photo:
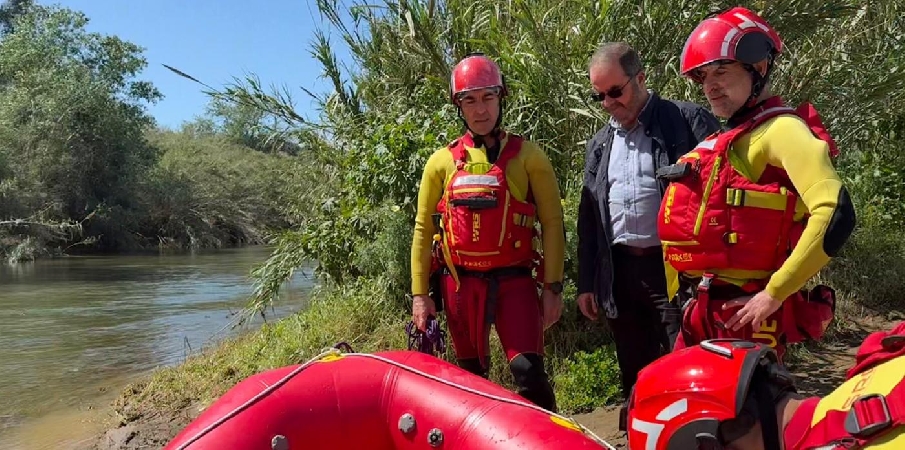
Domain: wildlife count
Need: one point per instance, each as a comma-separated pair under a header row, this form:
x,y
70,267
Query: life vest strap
x,y
722,289
765,200
870,417
874,413
500,272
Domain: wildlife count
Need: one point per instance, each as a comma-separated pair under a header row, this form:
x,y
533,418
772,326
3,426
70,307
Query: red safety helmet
x,y
734,35
475,71
691,398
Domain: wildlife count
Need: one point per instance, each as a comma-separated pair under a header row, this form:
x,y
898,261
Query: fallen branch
x,y
49,231
19,222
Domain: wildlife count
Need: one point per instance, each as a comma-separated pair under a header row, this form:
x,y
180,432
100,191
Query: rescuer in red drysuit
x,y
475,234
734,395
756,210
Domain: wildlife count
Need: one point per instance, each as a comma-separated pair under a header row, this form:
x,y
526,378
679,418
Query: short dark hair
x,y
628,58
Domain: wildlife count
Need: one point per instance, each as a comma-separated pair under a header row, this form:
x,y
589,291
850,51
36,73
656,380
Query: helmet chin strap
x,y
766,410
770,385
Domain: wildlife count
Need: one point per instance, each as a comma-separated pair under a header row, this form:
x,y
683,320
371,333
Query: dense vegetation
x,y
79,155
377,129
84,167
845,57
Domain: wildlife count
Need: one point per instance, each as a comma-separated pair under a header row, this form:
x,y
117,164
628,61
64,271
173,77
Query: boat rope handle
x,y
336,352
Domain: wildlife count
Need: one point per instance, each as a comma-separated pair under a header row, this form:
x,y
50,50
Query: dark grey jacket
x,y
675,127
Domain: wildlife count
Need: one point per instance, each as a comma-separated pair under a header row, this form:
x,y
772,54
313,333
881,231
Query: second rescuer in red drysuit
x,y
485,191
756,210
735,395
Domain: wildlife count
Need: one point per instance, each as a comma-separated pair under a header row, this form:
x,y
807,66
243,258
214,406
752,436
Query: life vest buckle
x,y
701,296
674,171
868,415
735,197
704,284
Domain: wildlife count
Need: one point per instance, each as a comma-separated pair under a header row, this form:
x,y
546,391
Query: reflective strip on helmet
x,y
748,22
653,430
730,35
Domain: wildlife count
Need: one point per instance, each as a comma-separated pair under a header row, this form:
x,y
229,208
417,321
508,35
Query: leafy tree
x,y
82,163
10,11
72,119
207,191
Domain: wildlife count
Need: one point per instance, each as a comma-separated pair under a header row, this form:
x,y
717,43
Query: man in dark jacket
x,y
620,261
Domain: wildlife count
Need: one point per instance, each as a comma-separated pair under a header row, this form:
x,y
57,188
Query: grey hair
x,y
617,51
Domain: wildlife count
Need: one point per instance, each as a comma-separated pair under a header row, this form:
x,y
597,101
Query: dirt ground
x,y
819,369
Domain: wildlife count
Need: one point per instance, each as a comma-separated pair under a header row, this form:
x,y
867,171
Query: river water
x,y
74,331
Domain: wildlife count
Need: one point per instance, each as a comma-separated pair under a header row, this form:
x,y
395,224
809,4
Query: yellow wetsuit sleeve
x,y
429,193
789,144
543,185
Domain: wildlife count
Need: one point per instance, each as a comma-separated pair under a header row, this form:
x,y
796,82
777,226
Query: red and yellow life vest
x,y
712,217
867,411
482,226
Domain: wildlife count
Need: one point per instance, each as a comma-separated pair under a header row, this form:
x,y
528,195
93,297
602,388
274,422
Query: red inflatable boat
x,y
382,401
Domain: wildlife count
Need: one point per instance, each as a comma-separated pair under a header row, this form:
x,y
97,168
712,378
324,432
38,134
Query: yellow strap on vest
x,y
449,263
444,245
766,200
672,281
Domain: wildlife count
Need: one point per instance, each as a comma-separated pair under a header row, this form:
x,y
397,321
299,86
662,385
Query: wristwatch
x,y
555,287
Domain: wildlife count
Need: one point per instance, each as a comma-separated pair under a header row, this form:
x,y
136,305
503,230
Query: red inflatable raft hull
x,y
379,402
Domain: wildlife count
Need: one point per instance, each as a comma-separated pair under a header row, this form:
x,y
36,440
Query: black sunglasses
x,y
614,92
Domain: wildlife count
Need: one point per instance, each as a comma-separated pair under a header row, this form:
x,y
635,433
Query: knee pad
x,y
474,366
534,384
528,369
